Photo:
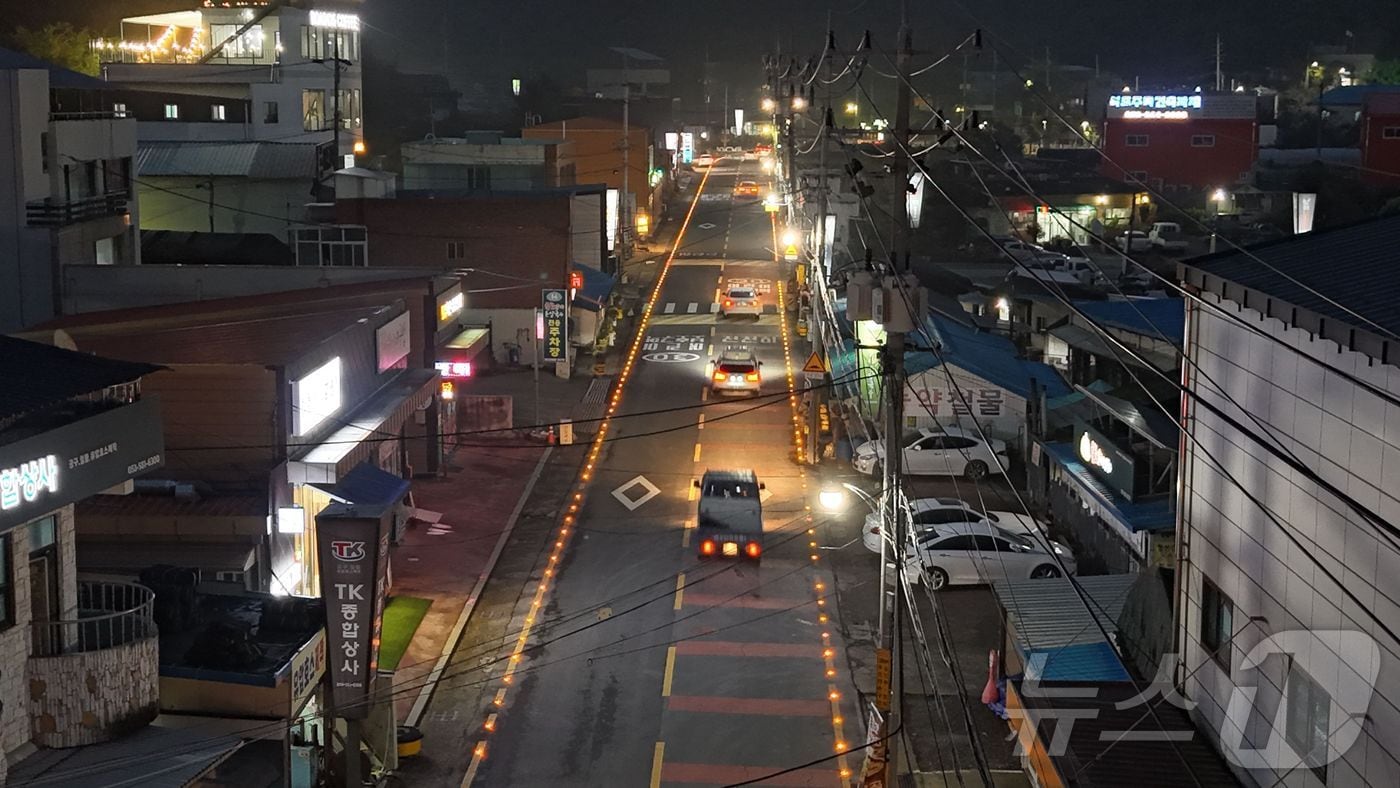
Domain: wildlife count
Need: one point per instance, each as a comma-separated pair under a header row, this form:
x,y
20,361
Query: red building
x,y
1193,142
1380,139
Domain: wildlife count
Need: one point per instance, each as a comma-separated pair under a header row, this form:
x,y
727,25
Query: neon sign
x,y
1091,452
448,309
22,484
334,21
1127,101
454,369
1156,114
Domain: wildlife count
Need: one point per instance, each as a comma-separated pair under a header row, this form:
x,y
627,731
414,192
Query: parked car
x,y
1028,252
924,512
972,553
1134,241
954,451
1086,270
1167,237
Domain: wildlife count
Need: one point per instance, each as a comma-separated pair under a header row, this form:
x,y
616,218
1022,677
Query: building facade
x,y
1380,139
486,161
70,166
1190,142
1290,472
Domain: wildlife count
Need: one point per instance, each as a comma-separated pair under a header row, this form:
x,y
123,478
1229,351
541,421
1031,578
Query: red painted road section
x,y
725,648
774,707
714,774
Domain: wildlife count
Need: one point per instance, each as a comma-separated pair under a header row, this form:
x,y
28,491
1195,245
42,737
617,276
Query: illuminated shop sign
x,y
1126,101
454,369
317,396
451,307
556,325
25,482
335,21
1105,460
1091,452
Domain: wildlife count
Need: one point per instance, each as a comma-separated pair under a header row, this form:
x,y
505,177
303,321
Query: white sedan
x,y
972,553
740,301
928,513
954,451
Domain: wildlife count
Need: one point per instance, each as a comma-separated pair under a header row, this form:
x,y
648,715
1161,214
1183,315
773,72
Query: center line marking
x,y
656,759
697,453
680,589
701,425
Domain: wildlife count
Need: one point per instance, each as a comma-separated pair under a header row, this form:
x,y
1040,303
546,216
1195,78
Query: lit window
x,y
172,111
119,109
1217,623
219,112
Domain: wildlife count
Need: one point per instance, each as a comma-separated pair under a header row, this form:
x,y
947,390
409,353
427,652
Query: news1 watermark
x,y
1296,699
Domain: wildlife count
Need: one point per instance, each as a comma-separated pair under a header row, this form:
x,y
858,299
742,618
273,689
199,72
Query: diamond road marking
x,y
706,226
632,503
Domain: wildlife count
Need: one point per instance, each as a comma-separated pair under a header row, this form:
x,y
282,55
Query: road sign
x,y
790,253
882,677
816,364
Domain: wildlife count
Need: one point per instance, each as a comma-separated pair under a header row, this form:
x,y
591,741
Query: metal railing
x,y
91,115
110,614
53,213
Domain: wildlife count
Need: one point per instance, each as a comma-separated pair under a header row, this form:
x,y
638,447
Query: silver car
x,y
736,372
740,301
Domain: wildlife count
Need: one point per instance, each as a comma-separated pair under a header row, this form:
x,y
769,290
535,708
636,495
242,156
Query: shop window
x,y
1202,140
1217,623
1308,724
1135,140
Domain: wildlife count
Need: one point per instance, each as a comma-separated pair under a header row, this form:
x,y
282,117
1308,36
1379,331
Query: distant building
x,y
1380,139
486,161
66,162
1188,142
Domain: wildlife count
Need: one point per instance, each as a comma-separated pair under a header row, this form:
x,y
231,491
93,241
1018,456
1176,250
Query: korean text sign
x,y
353,554
556,325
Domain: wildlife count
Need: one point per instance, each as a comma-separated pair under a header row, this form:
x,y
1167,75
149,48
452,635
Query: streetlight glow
x,y
769,105
799,103
852,108
832,499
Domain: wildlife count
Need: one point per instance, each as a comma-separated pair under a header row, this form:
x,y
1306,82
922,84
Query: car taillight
x,y
752,549
752,377
720,377
707,547
728,303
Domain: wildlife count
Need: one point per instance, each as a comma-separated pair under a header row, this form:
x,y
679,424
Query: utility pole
x,y
1219,75
624,208
335,64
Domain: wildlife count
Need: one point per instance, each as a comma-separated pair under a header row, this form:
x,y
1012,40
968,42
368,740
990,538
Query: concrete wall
x,y
1008,423
241,205
26,272
1351,439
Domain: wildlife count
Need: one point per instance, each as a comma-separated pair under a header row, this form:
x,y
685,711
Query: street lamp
x,y
768,104
832,499
799,103
852,108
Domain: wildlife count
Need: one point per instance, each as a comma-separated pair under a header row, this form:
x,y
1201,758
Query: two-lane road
x,y
696,672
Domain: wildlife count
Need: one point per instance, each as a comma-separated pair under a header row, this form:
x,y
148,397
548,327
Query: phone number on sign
x,y
150,462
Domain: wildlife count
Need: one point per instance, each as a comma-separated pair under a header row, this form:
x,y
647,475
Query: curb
x,y
420,704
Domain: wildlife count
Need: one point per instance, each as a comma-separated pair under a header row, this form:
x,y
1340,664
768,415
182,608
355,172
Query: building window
x,y
44,148
1390,133
1201,141
172,111
270,112
456,250
119,109
1136,176
218,112
1308,724
1217,623
1135,140
7,584
249,45
313,110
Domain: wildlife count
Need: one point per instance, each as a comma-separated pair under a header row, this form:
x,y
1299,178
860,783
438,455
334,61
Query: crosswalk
x,y
693,312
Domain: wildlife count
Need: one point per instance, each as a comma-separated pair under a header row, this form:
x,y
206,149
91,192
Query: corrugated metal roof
x,y
988,356
1048,613
36,375
1157,318
1352,265
269,160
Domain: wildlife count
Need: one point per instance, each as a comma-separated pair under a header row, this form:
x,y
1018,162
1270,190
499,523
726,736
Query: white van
x,y
1167,236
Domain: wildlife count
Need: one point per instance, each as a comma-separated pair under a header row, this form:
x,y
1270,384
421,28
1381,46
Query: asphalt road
x,y
697,672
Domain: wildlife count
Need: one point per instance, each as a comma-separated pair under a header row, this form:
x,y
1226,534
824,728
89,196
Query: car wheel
x,y
1045,570
976,470
937,579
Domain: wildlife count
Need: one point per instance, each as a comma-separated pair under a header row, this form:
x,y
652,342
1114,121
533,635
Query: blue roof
x,y
1150,317
597,286
1078,662
1153,515
1354,95
988,356
367,485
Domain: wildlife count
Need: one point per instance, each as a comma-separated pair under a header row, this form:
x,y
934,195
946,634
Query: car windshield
x,y
731,489
739,293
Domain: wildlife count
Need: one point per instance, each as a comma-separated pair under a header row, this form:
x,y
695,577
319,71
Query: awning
x,y
1150,424
467,344
597,287
363,431
152,757
1151,515
130,556
366,485
1093,342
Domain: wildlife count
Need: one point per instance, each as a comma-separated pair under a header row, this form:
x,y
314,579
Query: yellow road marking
x,y
685,538
656,760
705,394
680,591
670,672
701,425
690,491
697,453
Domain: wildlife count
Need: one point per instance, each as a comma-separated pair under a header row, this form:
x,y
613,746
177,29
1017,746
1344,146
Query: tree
x,y
61,44
1385,72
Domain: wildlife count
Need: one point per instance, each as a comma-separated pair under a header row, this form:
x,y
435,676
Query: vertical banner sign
x,y
1304,208
687,147
556,325
354,558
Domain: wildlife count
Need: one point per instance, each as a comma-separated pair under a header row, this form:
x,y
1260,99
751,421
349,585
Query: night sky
x,y
490,41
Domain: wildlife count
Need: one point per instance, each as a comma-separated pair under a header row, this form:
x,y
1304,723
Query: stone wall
x,y
93,696
14,652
